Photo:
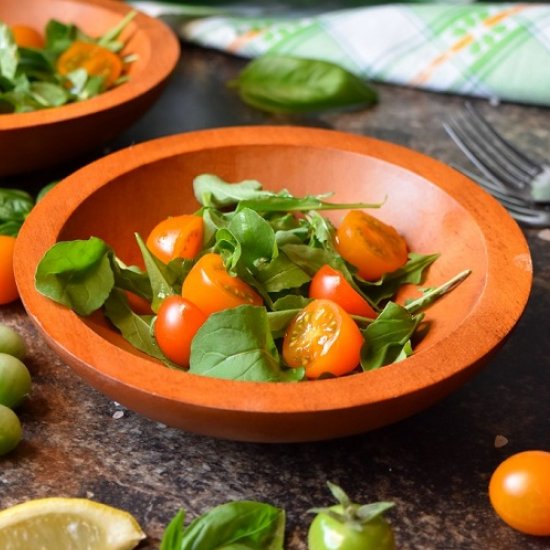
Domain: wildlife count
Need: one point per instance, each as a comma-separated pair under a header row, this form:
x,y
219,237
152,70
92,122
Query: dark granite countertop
x,y
435,466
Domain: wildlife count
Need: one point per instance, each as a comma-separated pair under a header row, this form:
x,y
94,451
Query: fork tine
x,y
512,153
484,156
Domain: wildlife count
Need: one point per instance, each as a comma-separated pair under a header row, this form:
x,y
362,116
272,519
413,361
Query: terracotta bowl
x,y
41,139
433,206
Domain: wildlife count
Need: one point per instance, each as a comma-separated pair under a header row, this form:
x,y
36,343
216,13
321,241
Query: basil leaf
x,y
136,329
287,84
76,274
243,525
252,355
411,273
388,336
172,538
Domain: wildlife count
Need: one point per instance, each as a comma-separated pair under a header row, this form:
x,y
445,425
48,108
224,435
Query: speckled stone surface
x,y
434,466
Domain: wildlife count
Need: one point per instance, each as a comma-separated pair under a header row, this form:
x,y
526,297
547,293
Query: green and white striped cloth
x,y
499,51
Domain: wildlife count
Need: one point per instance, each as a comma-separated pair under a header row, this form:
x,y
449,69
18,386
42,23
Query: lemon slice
x,y
67,524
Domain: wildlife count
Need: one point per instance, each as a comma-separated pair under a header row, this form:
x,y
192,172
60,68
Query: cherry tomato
x,y
138,304
8,288
97,60
351,526
176,237
519,491
27,37
331,284
177,322
370,245
323,339
212,288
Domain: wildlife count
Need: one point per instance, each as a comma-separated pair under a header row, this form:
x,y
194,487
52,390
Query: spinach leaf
x,y
76,274
287,84
251,355
136,329
387,338
243,525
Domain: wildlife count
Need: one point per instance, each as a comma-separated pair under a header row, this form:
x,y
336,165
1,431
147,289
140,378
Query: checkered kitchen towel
x,y
499,51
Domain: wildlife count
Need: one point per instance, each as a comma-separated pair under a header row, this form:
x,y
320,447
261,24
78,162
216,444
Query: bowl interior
x,y
434,207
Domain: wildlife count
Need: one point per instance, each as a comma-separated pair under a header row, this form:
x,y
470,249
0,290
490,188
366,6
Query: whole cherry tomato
x,y
175,326
331,284
370,245
176,237
27,37
212,288
519,491
97,60
8,288
323,339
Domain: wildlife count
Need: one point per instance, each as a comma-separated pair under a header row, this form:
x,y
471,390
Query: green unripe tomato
x,y
10,430
12,342
15,380
328,533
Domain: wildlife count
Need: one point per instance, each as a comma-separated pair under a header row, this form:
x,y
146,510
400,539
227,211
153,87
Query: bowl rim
x,y
157,70
504,244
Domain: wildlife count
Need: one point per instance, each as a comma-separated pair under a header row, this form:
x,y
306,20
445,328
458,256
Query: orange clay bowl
x,y
45,138
434,207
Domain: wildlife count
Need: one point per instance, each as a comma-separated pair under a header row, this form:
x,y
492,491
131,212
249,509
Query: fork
x,y
518,181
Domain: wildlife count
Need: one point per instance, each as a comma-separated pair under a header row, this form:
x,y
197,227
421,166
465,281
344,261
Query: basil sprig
x,y
287,84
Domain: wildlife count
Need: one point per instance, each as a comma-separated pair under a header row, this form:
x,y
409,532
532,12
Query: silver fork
x,y
519,182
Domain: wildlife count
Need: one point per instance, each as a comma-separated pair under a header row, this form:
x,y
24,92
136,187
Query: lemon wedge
x,y
67,524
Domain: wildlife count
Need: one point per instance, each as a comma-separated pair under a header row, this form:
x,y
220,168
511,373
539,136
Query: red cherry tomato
x,y
331,284
8,288
212,288
138,304
323,339
27,37
177,322
519,491
176,237
369,244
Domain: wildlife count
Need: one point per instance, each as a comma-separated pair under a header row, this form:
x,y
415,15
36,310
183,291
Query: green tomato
x,y
328,533
10,430
11,342
15,380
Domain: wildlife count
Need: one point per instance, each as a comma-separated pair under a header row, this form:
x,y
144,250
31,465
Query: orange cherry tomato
x,y
329,283
176,237
27,37
175,326
519,491
370,245
97,60
212,288
8,288
323,339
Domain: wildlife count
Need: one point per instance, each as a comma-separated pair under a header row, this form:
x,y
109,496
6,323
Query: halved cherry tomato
x,y
370,245
212,288
97,60
27,37
8,288
329,283
176,237
323,339
519,491
175,326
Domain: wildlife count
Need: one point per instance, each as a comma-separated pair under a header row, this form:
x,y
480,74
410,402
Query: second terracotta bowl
x,y
433,206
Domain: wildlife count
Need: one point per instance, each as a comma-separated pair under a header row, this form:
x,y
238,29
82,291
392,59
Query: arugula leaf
x,y
387,338
252,355
132,278
59,36
281,274
76,274
9,56
287,84
245,525
211,190
279,320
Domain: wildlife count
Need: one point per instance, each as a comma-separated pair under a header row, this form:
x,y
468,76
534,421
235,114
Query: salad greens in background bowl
x,y
456,231
53,109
